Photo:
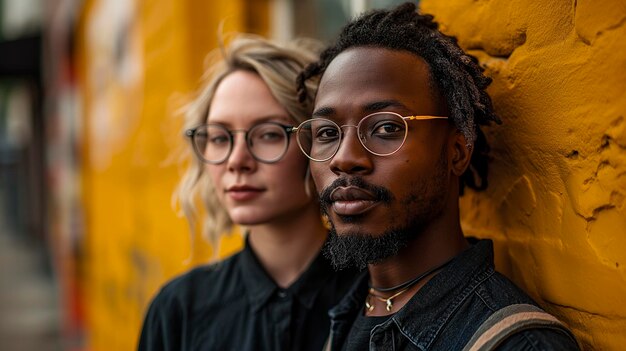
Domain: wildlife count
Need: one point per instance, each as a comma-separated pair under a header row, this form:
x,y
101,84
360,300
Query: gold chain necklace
x,y
387,300
404,288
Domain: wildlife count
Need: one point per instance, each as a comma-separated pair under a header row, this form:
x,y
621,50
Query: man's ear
x,y
460,154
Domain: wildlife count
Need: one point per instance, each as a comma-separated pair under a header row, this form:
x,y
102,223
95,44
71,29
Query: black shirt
x,y
235,305
359,336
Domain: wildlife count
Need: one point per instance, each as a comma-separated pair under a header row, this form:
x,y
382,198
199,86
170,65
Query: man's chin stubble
x,y
359,249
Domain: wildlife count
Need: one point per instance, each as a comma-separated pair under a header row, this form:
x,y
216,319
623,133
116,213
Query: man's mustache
x,y
380,193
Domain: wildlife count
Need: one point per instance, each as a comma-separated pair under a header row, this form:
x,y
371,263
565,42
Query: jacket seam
x,y
409,338
488,305
531,343
455,305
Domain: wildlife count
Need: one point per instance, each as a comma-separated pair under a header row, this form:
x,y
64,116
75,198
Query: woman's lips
x,y
352,201
243,193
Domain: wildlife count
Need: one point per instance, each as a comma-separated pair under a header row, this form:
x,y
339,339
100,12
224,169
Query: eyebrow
x,y
323,112
381,105
274,118
269,118
369,107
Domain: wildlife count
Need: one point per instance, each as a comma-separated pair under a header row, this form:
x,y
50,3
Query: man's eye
x,y
327,134
388,129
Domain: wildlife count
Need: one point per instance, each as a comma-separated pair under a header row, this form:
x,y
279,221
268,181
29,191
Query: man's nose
x,y
351,157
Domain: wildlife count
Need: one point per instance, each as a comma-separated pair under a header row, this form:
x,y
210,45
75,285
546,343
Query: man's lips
x,y
243,192
352,201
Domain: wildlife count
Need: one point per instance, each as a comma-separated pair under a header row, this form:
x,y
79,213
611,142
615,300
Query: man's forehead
x,y
376,62
364,75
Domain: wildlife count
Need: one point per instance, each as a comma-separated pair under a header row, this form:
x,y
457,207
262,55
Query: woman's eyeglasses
x,y
267,141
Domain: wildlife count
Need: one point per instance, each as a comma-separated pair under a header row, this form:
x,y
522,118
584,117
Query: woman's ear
x,y
309,185
460,153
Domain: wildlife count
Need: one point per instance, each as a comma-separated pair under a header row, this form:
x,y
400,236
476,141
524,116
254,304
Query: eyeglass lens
x,y
267,142
380,133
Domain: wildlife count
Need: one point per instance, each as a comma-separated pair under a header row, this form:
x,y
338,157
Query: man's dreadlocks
x,y
457,75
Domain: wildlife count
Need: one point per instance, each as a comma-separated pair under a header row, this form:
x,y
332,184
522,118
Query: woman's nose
x,y
240,158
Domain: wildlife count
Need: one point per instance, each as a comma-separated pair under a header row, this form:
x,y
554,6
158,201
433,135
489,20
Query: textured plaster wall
x,y
555,206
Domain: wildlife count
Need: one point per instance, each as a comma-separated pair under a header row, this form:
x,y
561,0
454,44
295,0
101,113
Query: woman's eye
x,y
218,139
266,133
269,136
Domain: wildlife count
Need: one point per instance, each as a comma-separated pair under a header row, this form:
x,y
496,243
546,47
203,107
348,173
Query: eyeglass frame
x,y
191,134
341,132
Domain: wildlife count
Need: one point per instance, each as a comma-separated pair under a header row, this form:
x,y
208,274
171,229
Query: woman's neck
x,y
286,248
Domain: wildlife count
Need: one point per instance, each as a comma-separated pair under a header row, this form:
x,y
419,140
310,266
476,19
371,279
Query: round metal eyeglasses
x,y
380,133
267,141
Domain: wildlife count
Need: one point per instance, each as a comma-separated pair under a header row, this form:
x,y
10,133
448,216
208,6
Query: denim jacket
x,y
446,311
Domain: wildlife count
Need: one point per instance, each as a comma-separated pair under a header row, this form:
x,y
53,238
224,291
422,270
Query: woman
x,y
275,293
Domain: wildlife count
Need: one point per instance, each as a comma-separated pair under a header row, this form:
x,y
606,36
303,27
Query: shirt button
x,y
282,294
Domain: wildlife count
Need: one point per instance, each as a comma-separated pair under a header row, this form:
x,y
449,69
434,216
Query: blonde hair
x,y
278,65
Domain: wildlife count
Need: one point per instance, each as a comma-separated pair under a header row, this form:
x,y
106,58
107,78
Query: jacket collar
x,y
423,317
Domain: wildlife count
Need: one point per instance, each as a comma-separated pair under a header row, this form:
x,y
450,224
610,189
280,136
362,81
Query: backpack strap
x,y
508,321
327,343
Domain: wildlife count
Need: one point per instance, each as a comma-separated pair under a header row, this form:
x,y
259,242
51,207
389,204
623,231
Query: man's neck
x,y
428,250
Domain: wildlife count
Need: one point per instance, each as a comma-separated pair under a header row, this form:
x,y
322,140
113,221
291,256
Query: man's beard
x,y
360,248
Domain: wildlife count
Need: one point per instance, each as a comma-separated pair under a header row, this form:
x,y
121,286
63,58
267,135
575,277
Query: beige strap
x,y
508,321
327,343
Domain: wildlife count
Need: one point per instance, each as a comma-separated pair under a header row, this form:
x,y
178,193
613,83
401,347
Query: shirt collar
x,y
312,280
352,303
261,287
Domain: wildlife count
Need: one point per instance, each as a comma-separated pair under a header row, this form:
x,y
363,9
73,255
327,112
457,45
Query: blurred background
x,y
90,146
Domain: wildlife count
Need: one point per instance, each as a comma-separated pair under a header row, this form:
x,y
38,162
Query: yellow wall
x,y
133,74
555,204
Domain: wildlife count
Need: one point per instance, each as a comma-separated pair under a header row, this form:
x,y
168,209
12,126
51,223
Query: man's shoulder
x,y
522,327
498,291
496,294
548,339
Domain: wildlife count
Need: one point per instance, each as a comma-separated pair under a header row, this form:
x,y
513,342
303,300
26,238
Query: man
x,y
393,139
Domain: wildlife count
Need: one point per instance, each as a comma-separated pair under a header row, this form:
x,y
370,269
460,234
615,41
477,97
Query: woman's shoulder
x,y
200,279
173,308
